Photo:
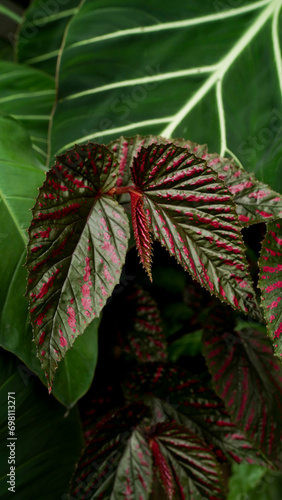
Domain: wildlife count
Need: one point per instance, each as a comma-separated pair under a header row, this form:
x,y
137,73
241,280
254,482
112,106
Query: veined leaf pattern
x,y
192,214
77,246
117,461
201,91
270,282
255,201
175,394
248,378
186,466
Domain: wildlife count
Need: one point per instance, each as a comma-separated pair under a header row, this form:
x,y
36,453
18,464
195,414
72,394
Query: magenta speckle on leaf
x,y
244,218
85,290
87,269
264,214
110,249
239,187
71,318
63,341
107,274
41,340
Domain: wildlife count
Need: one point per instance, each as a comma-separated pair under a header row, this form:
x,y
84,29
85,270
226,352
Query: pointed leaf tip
x,y
77,246
141,231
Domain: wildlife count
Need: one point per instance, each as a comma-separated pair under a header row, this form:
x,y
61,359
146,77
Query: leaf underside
x,y
192,214
77,246
270,281
248,379
175,394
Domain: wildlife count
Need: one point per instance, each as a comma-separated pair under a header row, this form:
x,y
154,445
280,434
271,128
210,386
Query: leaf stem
x,y
124,189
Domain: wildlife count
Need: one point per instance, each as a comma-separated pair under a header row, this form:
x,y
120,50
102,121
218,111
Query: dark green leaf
x,y
48,442
167,78
28,95
141,331
41,33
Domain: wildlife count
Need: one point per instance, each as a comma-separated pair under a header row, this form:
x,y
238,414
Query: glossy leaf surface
x,y
41,33
255,201
77,246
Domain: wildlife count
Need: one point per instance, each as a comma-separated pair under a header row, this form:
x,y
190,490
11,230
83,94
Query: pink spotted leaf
x,y
270,282
193,215
248,378
77,246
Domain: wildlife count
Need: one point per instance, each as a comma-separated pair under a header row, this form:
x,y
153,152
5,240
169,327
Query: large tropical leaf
x,y
175,394
248,378
41,33
20,176
77,246
270,282
28,95
47,442
192,214
215,89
